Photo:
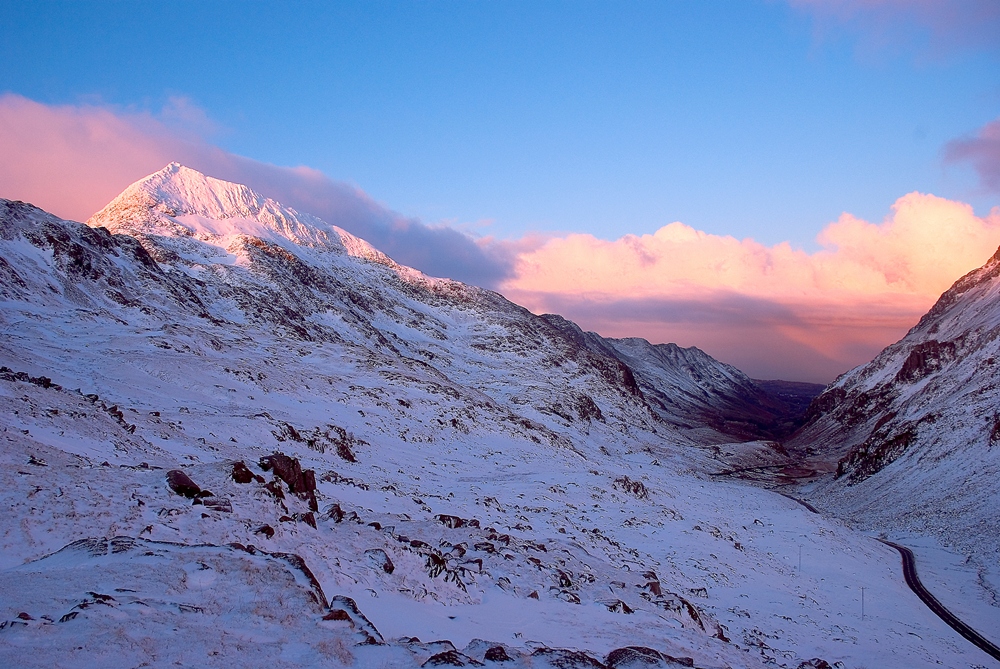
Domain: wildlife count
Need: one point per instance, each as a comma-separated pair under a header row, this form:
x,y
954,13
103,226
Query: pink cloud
x,y
771,310
73,159
941,25
755,305
982,151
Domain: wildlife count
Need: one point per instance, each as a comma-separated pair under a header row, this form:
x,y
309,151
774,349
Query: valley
x,y
476,483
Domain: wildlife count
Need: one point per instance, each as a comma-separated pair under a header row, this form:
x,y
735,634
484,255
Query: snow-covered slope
x,y
460,469
712,402
916,432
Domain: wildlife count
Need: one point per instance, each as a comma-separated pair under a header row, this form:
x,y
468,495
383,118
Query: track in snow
x,y
910,574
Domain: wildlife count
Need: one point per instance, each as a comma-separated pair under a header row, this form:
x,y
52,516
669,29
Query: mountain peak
x,y
178,201
188,191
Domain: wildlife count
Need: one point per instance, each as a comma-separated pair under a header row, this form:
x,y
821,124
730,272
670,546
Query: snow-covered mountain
x,y
916,432
232,431
689,389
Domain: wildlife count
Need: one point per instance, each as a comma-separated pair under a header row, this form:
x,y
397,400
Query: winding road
x,y
910,574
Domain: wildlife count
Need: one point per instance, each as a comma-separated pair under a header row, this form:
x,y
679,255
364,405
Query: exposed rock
x,y
639,657
815,663
290,471
350,607
274,487
380,559
182,484
498,653
242,474
567,659
635,488
451,521
218,504
451,658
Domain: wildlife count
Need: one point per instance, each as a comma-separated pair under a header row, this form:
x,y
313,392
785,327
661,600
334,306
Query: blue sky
x,y
503,118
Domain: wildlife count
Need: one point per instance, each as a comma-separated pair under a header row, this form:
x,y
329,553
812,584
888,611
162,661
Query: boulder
x,y
380,559
451,658
242,474
497,654
566,659
182,484
289,470
639,657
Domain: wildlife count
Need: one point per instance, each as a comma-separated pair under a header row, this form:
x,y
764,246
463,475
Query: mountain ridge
x,y
215,414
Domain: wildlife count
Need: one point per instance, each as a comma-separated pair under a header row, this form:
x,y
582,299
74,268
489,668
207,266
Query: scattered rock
x,y
636,657
242,474
380,559
218,504
266,530
634,488
451,521
567,659
451,658
289,470
815,663
182,484
498,653
617,606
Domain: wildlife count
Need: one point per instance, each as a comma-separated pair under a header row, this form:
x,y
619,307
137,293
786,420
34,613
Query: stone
x,y
451,521
497,654
241,473
380,559
567,659
182,484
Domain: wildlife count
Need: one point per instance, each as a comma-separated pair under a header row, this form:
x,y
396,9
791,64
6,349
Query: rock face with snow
x,y
234,432
916,432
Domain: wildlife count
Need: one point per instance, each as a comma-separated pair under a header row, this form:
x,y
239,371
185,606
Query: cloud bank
x,y
770,310
773,311
73,159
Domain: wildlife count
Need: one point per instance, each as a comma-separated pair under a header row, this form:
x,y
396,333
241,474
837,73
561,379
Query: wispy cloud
x,y
936,27
757,305
73,159
982,152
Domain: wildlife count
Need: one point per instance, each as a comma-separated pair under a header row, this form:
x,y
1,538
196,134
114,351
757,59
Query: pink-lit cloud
x,y
73,159
774,311
939,26
982,152
767,309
